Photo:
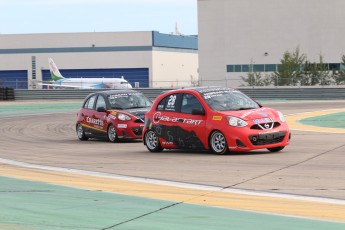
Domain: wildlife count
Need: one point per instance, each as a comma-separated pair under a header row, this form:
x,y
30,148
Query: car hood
x,y
253,114
137,111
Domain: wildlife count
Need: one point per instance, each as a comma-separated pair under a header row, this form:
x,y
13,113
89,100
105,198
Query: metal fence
x,y
258,93
228,82
71,94
6,94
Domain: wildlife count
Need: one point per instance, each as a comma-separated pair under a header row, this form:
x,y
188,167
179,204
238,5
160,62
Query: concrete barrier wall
x,y
336,93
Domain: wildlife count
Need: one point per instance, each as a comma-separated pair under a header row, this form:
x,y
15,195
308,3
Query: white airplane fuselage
x,y
95,83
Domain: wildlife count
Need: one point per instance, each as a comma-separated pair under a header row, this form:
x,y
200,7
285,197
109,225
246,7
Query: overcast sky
x,y
59,16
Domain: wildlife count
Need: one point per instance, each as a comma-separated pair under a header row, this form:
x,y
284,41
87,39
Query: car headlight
x,y
123,117
236,122
281,116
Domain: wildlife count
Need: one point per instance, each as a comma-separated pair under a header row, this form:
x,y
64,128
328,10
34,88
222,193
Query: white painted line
x,y
172,183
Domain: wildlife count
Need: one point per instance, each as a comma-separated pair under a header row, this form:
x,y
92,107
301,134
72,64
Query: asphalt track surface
x,y
312,165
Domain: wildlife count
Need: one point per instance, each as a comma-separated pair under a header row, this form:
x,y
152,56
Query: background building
x,y
145,59
237,34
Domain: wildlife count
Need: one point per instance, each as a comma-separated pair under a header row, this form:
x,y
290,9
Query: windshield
x,y
224,99
129,101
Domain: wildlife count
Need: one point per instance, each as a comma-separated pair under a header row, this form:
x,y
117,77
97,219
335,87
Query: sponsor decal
x,y
248,113
121,95
263,120
111,117
122,126
260,111
157,117
167,143
215,92
268,132
217,118
97,122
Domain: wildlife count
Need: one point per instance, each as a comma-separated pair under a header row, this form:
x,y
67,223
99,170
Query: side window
x,y
161,104
90,102
100,102
190,102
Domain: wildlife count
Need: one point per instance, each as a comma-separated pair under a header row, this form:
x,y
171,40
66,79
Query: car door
x,y
87,113
100,117
165,121
191,129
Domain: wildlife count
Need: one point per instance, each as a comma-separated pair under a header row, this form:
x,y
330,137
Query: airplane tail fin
x,y
54,71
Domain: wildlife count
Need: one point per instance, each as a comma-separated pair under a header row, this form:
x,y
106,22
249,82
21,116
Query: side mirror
x,y
198,112
101,109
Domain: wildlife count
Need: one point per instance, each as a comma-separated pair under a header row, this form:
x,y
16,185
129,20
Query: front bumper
x,y
129,131
253,139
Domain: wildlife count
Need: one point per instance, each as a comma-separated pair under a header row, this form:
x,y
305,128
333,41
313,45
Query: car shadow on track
x,y
205,152
105,141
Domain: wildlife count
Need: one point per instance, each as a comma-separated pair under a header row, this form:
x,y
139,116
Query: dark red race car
x,y
213,118
112,115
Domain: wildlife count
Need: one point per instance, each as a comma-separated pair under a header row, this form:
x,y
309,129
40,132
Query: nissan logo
x,y
266,126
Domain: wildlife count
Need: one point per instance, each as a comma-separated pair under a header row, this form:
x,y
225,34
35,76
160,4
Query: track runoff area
x,y
37,196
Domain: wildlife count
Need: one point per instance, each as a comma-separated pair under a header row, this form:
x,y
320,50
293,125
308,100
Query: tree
x,y
323,73
315,73
290,70
255,78
310,70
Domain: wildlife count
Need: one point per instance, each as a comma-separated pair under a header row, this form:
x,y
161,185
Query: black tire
x,y
111,134
218,144
276,149
152,141
80,133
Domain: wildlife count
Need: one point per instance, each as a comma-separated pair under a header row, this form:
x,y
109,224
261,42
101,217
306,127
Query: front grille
x,y
257,126
137,131
268,138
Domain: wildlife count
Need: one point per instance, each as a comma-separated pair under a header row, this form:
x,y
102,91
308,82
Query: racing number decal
x,y
172,100
171,103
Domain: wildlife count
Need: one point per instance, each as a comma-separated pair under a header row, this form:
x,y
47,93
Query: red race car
x,y
213,118
112,115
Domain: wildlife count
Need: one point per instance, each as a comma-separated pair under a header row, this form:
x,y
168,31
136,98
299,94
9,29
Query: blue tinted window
x,y
270,67
230,68
334,66
245,68
238,68
258,68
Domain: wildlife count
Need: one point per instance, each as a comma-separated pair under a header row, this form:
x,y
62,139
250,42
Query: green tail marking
x,y
54,77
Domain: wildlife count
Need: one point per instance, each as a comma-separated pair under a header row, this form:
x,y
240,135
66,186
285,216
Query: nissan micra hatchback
x,y
213,118
113,114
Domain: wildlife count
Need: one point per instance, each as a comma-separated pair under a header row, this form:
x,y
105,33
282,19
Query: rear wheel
x,y
80,133
112,136
152,142
276,149
218,143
